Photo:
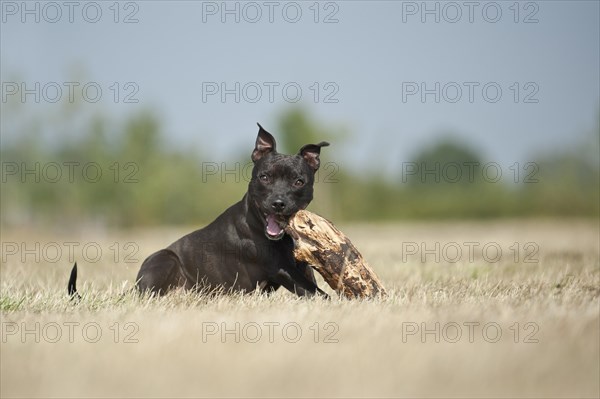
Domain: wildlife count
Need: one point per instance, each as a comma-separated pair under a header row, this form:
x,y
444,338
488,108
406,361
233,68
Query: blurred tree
x,y
295,128
145,181
448,161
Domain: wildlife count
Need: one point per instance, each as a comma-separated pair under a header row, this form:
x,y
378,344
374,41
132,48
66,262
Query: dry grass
x,y
357,349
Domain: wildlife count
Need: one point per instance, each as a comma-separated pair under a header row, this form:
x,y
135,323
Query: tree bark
x,y
319,243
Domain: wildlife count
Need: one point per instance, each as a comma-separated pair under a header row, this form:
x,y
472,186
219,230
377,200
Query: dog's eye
x,y
264,178
299,183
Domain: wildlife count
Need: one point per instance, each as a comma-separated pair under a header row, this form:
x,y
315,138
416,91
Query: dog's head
x,y
281,184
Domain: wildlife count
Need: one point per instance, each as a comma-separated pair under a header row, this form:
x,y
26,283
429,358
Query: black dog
x,y
246,247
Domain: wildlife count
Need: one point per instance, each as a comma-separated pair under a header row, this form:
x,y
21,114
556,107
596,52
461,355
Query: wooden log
x,y
319,243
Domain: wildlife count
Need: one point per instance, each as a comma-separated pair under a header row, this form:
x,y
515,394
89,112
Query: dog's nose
x,y
278,205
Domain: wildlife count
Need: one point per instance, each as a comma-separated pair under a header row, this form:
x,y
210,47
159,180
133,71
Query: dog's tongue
x,y
273,228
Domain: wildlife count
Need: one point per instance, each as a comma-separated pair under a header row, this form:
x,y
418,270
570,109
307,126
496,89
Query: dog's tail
x,y
72,287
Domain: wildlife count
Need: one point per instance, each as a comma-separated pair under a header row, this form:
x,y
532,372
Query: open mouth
x,y
275,225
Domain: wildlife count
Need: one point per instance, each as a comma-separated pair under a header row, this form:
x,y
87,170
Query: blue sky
x,y
368,61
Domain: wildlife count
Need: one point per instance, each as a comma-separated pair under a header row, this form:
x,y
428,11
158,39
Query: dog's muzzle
x,y
275,225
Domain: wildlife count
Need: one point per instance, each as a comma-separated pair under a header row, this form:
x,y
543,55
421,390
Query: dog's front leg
x,y
295,281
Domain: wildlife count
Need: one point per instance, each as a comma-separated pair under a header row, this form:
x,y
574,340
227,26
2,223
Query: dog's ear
x,y
265,143
310,153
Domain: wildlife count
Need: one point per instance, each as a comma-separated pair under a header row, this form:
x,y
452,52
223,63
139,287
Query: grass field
x,y
462,320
